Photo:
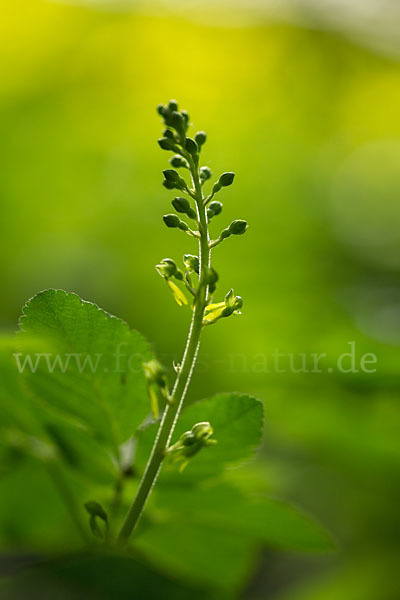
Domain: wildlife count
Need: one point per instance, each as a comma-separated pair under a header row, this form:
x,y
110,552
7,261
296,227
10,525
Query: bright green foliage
x,y
214,557
237,422
30,427
103,387
91,393
265,520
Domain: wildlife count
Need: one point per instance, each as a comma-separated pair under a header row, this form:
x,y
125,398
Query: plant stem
x,y
184,375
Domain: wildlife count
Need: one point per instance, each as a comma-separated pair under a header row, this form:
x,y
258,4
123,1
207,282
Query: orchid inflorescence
x,y
187,152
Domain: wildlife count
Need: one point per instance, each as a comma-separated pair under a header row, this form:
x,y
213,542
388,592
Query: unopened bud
x,y
178,162
155,372
96,511
205,173
185,116
225,233
211,279
169,185
168,134
176,121
166,143
184,226
182,205
215,208
173,180
173,105
226,179
191,146
171,220
157,383
200,138
238,227
171,175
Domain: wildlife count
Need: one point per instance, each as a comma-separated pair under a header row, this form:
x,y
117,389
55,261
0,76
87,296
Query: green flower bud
x,y
177,162
155,372
167,143
184,226
173,105
173,180
216,207
226,179
238,227
168,134
191,146
182,205
171,220
216,187
170,185
191,263
177,122
200,138
96,511
225,234
211,275
157,384
205,173
185,116
174,221
171,175
211,279
167,268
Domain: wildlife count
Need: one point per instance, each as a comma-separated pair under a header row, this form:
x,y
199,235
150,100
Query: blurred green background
x,y
309,120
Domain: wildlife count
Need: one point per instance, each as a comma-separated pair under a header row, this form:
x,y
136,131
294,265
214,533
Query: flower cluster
x,y
190,443
195,282
187,152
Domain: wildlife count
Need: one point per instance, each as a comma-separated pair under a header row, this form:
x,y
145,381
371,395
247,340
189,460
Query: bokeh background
x,y
301,100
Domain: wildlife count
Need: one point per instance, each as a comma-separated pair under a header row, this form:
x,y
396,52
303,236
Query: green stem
x,y
172,411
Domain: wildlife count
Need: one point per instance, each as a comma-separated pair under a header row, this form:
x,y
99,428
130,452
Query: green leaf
x,y
237,421
211,533
29,426
90,367
101,576
14,405
214,557
263,519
